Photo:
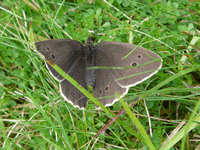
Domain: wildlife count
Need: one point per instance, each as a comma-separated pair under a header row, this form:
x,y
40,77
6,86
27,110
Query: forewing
x,y
111,54
62,52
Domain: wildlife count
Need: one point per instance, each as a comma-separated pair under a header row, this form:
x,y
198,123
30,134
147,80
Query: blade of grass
x,y
139,126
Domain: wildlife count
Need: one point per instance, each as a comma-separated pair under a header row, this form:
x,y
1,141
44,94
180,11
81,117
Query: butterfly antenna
x,y
77,25
101,27
94,31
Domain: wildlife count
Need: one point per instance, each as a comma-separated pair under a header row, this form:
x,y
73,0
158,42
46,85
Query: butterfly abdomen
x,y
89,56
90,76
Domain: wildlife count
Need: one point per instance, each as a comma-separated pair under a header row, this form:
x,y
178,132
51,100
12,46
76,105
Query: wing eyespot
x,y
100,91
134,64
139,56
106,88
53,56
47,48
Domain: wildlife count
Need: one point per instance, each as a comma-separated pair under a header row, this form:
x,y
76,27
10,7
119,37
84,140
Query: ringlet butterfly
x,y
74,58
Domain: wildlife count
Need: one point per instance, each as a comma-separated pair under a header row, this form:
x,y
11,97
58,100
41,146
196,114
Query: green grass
x,y
33,115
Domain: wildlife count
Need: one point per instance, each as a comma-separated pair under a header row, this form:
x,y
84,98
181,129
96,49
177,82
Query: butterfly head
x,y
89,41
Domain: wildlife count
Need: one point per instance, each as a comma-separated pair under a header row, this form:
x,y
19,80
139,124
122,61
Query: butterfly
x,y
74,58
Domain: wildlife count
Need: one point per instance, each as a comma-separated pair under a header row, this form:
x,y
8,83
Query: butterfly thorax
x,y
89,58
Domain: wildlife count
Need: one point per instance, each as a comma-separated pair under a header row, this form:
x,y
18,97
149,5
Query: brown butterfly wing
x,y
106,86
69,91
111,54
67,54
63,52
